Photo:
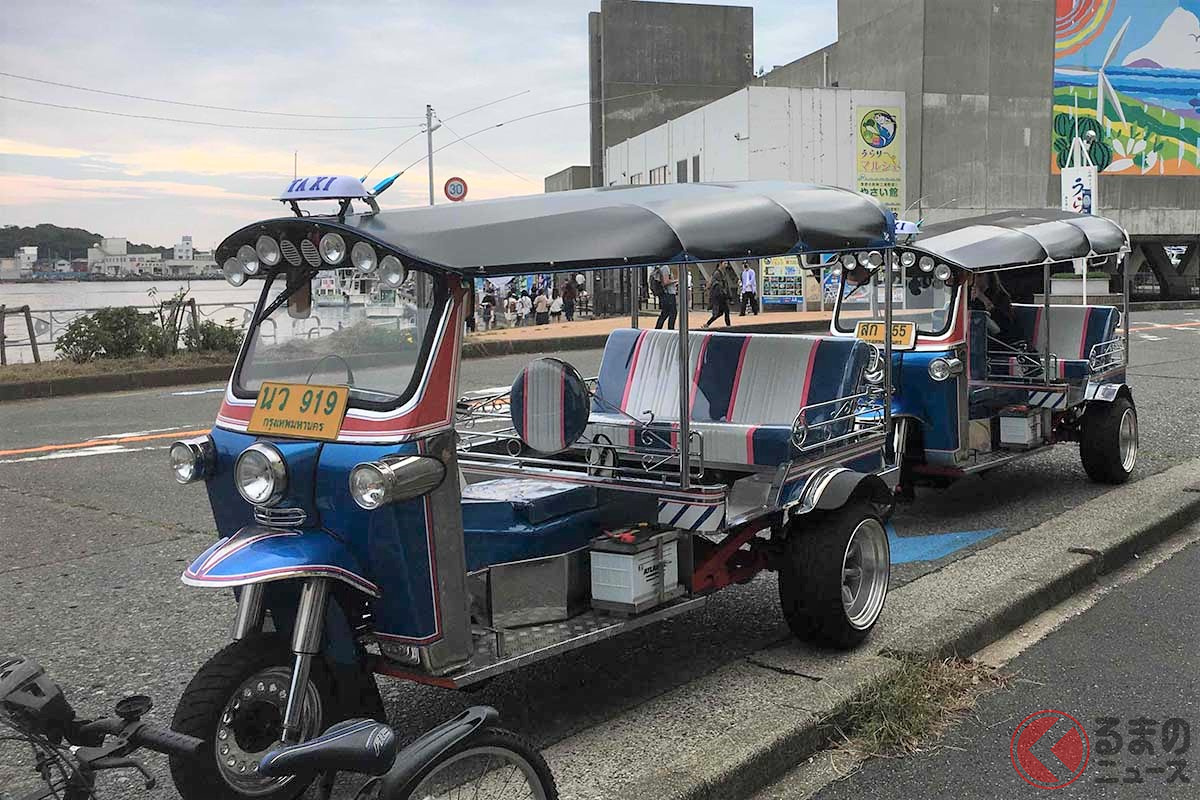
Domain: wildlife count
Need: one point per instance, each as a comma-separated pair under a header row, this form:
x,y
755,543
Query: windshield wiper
x,y
285,295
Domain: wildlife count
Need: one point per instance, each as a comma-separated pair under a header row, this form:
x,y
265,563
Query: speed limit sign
x,y
456,189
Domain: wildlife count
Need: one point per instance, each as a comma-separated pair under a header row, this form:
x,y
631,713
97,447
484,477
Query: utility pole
x,y
429,146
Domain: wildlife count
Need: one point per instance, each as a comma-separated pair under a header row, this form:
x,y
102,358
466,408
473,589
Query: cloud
x,y
16,190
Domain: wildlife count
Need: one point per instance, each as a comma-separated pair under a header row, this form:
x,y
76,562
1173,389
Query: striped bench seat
x,y
744,392
1073,331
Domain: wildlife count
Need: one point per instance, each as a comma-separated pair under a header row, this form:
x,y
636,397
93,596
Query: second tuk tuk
x,y
373,519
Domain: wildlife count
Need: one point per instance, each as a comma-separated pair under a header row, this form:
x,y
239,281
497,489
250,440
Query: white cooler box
x,y
634,569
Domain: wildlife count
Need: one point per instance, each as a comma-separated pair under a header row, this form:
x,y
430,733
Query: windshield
x,y
357,333
919,298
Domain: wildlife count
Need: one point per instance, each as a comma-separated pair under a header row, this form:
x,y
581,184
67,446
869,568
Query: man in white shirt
x,y
749,289
667,289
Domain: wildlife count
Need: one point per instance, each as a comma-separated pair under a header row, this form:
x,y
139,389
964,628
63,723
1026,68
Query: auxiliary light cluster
x,y
848,262
333,252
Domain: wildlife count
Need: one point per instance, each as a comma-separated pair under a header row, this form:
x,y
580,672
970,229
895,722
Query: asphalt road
x,y
93,538
1126,664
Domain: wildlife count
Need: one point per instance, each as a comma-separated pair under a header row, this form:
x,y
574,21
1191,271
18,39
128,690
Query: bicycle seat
x,y
356,745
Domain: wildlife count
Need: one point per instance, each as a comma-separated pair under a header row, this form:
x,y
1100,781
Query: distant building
x,y
112,257
578,177
26,258
183,250
10,269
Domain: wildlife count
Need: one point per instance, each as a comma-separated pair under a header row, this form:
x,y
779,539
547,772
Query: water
x,y
96,294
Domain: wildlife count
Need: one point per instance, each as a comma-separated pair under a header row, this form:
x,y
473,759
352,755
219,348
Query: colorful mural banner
x,y
1127,82
879,161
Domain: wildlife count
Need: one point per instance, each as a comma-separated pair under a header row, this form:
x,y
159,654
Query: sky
x,y
153,181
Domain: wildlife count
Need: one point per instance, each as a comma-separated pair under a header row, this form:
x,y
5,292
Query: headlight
x,y
908,258
260,475
249,259
874,259
943,273
941,369
233,271
394,479
926,264
333,248
192,459
268,250
363,256
392,271
848,261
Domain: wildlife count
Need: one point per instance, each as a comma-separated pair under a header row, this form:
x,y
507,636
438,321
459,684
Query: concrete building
x,y
10,269
577,177
112,257
650,62
183,250
26,258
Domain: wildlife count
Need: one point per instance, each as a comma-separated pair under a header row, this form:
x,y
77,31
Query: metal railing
x,y
860,414
1106,355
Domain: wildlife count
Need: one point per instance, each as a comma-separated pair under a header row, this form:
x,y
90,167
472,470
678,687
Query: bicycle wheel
x,y
494,764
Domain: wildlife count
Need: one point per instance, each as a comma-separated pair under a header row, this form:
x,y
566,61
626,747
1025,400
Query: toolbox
x,y
635,569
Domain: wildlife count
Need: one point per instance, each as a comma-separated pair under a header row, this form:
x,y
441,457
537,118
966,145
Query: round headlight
x,y
249,259
943,272
863,259
368,486
392,271
848,261
874,259
192,459
260,475
363,256
267,250
939,369
233,271
333,248
836,269
926,264
908,258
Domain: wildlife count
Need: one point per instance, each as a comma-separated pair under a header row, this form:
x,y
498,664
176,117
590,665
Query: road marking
x,y
102,450
114,438
1149,337
191,392
1149,326
931,547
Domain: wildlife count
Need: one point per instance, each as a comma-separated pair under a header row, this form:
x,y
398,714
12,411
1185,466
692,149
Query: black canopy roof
x,y
618,225
1020,238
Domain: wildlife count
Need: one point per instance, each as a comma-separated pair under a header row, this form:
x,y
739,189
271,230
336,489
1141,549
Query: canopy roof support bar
x,y
685,382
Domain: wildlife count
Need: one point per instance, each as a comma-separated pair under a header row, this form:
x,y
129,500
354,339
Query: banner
x,y
879,155
782,280
1079,186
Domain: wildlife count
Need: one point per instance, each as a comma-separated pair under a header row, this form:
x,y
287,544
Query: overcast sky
x,y
152,181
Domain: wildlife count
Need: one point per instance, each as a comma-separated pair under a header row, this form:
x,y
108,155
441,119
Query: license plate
x,y
299,411
904,334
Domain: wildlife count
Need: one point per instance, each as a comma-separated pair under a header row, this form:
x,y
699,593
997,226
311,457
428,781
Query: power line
x,y
200,122
389,153
193,105
485,155
484,105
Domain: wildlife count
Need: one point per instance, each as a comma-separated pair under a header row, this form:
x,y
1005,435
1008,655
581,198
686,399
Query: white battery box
x,y
626,569
1021,428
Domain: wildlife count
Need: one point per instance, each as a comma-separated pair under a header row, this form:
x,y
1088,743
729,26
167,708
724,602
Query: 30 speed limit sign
x,y
456,189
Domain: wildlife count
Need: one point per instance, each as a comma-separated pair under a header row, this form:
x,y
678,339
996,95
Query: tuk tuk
x,y
980,380
373,519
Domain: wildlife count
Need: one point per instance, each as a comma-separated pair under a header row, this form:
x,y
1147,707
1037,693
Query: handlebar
x,y
143,734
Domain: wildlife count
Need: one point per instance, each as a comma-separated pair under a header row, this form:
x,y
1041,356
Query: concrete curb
x,y
1083,544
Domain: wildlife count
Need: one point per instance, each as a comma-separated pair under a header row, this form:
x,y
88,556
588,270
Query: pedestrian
x,y
541,309
749,289
556,307
733,283
666,288
510,310
487,310
524,308
569,294
718,296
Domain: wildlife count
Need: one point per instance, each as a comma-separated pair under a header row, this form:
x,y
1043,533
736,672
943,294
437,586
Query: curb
x,y
754,761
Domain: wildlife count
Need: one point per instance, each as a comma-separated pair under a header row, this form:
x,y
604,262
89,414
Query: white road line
x,y
191,392
141,433
1151,337
100,450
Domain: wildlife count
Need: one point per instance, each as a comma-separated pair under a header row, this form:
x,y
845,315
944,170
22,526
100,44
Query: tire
x,y
490,746
1108,442
817,572
254,733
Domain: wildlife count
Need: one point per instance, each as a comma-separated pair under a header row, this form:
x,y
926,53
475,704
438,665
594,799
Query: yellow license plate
x,y
904,334
299,410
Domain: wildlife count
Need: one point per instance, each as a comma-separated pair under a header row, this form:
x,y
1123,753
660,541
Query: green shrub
x,y
211,337
110,333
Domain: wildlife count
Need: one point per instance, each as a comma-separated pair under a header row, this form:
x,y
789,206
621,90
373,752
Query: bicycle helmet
x,y
30,699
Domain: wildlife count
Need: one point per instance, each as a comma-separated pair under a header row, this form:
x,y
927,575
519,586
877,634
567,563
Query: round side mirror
x,y
549,405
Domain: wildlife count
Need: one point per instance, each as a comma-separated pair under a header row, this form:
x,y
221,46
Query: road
x,y
93,537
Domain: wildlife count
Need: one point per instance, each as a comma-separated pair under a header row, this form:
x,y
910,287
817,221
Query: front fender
x,y
257,554
413,762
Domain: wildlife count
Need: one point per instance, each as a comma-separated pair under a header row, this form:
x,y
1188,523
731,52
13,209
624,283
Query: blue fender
x,y
257,554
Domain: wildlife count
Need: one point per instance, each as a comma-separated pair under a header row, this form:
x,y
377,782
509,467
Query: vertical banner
x,y
1079,187
879,160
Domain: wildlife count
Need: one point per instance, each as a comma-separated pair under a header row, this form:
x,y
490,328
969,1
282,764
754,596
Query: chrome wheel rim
x,y
1127,439
866,566
251,725
480,772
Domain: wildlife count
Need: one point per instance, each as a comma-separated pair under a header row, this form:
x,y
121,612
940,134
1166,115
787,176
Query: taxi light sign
x,y
904,334
299,411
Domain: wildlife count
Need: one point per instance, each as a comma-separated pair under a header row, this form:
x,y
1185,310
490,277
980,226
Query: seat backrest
x,y
1073,330
639,372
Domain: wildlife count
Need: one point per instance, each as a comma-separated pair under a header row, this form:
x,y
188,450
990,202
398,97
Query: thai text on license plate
x,y
904,334
299,410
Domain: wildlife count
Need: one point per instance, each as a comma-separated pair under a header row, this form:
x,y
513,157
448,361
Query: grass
x,y
59,368
911,711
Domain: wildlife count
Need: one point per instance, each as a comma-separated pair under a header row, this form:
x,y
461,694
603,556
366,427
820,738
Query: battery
x,y
634,569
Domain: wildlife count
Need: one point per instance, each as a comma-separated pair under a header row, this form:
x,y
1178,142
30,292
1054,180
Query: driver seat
x,y
356,745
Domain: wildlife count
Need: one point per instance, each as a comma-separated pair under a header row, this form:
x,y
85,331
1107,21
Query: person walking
x,y
556,307
719,296
749,289
524,307
666,288
541,309
569,293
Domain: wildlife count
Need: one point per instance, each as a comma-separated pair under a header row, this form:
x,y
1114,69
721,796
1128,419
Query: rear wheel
x,y
833,581
236,703
1108,442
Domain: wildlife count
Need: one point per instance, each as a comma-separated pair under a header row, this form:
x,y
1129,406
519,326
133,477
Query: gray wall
x,y
578,177
692,54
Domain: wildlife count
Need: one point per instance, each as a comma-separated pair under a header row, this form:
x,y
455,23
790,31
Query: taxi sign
x,y
299,410
904,334
324,187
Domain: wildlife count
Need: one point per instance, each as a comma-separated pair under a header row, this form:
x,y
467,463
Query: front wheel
x,y
236,704
833,581
1108,442
492,763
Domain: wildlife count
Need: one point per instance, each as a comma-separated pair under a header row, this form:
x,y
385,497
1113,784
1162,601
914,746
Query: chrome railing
x,y
860,414
1106,355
